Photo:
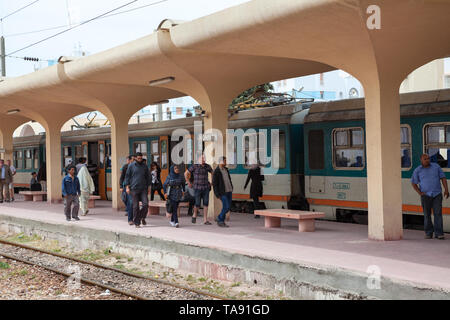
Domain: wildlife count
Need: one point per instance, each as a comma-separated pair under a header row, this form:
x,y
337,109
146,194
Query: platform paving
x,y
337,246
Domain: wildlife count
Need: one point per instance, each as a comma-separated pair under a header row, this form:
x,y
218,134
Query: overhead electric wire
x,y
18,10
64,31
63,26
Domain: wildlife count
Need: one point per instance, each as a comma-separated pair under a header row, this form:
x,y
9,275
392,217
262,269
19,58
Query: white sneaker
x,y
172,223
177,225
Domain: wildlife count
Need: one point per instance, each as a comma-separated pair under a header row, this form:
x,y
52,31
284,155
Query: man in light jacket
x,y
87,188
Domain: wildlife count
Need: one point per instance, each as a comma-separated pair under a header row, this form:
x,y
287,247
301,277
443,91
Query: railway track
x,y
122,282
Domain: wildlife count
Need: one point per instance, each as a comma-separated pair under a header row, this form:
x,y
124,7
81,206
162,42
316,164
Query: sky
x,y
94,36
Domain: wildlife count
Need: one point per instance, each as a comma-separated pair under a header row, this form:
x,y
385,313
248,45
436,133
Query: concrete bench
x,y
33,195
305,218
92,198
154,207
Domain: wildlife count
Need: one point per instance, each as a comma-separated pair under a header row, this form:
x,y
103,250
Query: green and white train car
x,y
335,154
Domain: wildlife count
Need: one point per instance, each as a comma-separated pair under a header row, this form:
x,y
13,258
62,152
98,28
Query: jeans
x,y
435,203
129,205
139,213
201,194
226,205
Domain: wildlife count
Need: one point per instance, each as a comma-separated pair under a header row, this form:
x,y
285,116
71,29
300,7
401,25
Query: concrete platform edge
x,y
294,280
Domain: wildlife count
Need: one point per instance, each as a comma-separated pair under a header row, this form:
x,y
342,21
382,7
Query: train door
x,y
92,164
102,169
164,152
186,153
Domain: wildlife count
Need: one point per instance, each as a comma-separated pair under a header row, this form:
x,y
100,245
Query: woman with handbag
x,y
174,191
156,185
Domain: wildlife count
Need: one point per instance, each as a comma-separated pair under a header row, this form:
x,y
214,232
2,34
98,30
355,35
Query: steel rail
x,y
67,275
63,256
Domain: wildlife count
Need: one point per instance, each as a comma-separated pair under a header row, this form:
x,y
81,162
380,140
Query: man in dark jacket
x,y
223,189
126,198
137,183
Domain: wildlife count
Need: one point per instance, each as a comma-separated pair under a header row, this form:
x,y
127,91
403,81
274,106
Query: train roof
x,y
244,119
411,104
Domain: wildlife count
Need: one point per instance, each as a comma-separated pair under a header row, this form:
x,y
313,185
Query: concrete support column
x,y
6,142
216,119
383,161
119,152
53,162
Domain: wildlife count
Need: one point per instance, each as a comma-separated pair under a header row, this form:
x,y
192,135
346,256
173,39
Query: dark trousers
x,y
174,205
255,204
152,194
69,200
435,203
139,213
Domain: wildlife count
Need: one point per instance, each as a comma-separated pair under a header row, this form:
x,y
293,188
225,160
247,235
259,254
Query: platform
x,y
337,258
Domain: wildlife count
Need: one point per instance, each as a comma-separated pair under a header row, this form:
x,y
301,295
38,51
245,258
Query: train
x,y
322,154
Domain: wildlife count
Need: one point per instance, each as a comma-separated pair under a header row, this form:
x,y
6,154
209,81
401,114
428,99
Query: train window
x,y
155,151
231,146
140,146
36,158
67,155
316,154
164,155
282,151
253,149
348,148
405,137
28,159
78,152
18,161
437,143
101,155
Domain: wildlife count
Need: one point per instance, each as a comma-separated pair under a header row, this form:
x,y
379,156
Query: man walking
x,y
137,183
126,198
81,163
11,184
87,188
426,180
223,189
71,191
201,187
5,180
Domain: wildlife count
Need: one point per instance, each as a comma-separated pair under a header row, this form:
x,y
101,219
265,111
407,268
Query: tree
x,y
247,94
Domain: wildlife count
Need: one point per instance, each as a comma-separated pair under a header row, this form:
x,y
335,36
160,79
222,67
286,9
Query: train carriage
x,y
335,154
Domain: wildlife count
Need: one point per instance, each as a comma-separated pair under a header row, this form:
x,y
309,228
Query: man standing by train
x,y
5,180
11,184
201,187
126,198
71,192
137,184
426,181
